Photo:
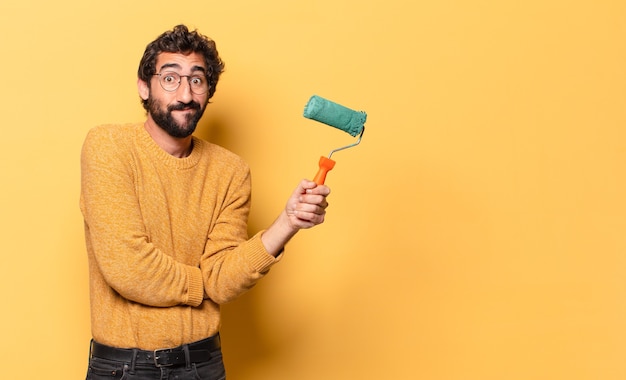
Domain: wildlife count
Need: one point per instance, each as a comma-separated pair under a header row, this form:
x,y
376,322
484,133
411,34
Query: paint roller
x,y
340,117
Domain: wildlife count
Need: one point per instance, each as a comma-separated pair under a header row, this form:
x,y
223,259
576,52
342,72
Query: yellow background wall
x,y
478,232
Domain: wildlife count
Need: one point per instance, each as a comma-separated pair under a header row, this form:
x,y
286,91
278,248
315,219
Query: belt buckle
x,y
157,357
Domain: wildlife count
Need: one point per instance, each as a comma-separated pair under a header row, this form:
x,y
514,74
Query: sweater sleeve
x,y
232,263
116,236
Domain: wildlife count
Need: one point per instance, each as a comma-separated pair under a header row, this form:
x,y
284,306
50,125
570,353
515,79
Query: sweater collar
x,y
146,143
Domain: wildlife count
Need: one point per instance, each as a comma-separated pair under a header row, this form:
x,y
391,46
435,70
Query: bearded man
x,y
165,216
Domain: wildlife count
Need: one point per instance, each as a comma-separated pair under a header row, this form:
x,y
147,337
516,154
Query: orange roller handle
x,y
326,165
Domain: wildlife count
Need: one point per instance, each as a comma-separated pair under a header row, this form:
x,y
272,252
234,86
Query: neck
x,y
176,146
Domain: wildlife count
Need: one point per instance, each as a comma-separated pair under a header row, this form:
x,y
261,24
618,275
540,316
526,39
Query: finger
x,y
317,200
311,208
318,189
310,217
307,185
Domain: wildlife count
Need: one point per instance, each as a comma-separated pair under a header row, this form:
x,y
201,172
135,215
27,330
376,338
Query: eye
x,y
169,78
197,81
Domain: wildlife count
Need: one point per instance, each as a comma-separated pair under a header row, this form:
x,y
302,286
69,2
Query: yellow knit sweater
x,y
166,237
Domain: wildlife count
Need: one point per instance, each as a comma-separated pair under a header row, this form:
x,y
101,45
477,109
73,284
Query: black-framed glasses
x,y
170,81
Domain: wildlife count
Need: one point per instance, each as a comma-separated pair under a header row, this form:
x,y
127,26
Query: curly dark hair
x,y
181,40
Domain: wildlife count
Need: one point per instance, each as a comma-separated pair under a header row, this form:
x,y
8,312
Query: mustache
x,y
184,106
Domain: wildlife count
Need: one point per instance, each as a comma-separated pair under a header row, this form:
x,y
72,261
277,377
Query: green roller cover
x,y
335,115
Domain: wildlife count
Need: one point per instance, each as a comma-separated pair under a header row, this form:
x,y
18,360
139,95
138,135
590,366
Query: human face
x,y
176,112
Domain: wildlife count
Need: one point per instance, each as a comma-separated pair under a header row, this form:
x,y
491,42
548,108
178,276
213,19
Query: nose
x,y
183,92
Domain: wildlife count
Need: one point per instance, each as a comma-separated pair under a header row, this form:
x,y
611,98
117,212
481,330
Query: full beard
x,y
166,121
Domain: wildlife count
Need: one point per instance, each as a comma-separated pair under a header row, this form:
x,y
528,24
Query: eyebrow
x,y
177,66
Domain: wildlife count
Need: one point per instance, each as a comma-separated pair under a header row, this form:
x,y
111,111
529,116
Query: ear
x,y
144,91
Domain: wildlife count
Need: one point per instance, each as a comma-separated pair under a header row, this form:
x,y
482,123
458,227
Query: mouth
x,y
185,107
184,113
188,109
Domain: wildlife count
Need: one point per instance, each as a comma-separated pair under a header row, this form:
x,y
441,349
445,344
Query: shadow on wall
x,y
214,131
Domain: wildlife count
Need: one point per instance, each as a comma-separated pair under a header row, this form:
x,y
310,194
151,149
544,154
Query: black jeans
x,y
106,369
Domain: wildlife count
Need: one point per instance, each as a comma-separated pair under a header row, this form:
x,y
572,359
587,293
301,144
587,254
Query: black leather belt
x,y
196,352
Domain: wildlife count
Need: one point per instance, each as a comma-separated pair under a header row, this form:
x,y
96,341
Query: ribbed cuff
x,y
259,258
195,287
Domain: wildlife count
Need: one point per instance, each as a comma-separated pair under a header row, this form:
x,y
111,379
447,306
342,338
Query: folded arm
x,y
117,237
